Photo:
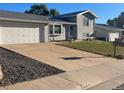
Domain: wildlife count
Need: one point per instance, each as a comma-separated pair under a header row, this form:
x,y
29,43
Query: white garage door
x,y
112,36
19,34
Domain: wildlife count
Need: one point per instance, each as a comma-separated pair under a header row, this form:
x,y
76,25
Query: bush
x,y
120,57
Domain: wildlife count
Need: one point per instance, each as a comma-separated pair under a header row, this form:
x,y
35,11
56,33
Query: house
x,y
108,33
29,28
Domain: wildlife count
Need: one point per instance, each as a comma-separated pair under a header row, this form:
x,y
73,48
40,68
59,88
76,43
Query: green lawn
x,y
99,47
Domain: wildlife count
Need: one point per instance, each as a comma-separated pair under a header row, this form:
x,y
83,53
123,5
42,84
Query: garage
x,y
18,28
113,36
106,32
12,33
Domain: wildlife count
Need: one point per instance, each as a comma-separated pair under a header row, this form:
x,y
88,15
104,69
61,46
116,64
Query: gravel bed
x,y
18,68
120,87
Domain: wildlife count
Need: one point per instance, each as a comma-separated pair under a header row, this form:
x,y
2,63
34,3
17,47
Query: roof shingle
x,y
107,27
17,15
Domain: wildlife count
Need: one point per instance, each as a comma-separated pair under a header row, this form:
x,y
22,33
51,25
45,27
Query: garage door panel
x,y
112,36
21,34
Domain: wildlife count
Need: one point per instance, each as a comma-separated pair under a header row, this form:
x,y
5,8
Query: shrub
x,y
120,57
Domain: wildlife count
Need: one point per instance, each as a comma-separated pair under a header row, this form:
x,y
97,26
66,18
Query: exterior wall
x,y
101,33
121,35
16,32
62,36
44,33
84,29
105,34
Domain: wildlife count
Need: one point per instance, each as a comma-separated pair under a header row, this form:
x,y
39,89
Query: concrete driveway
x,y
84,70
61,57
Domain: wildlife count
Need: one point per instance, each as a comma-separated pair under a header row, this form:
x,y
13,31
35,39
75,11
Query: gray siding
x,y
44,33
101,33
84,29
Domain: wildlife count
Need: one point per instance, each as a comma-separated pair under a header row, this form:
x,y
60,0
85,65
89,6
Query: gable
x,y
89,14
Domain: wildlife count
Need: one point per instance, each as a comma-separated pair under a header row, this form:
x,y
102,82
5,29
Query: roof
x,y
57,19
23,17
107,27
77,12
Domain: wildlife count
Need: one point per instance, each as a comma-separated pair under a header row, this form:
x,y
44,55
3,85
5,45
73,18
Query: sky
x,y
104,11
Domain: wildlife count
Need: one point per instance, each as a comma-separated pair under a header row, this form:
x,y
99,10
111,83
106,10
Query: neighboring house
x,y
29,28
108,33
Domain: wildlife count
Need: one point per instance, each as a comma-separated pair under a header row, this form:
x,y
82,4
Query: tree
x,y
42,9
110,22
53,12
121,20
118,21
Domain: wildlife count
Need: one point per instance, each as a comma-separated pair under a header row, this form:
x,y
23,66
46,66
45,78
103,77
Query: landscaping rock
x,y
1,73
18,68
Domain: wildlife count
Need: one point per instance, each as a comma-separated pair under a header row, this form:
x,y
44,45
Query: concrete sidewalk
x,y
109,84
47,83
92,76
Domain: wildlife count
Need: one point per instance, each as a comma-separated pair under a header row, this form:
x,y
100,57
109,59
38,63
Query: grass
x,y
99,47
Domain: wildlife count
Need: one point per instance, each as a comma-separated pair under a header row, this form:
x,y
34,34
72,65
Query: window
x,y
57,29
51,29
85,22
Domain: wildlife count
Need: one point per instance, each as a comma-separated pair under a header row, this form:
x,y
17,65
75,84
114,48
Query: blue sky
x,y
104,11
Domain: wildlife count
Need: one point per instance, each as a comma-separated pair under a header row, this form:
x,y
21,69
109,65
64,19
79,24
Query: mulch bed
x,y
19,68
